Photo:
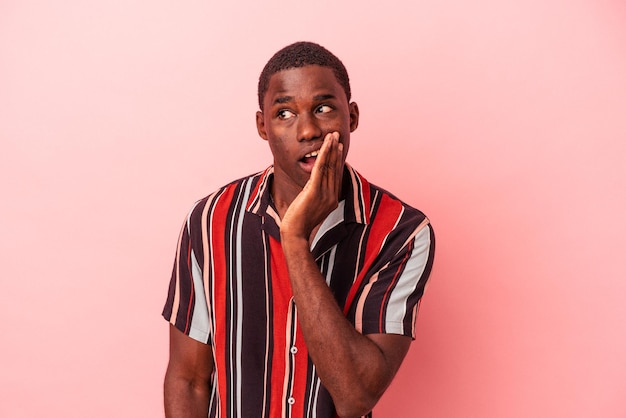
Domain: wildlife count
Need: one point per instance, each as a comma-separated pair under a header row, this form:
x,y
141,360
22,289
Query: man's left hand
x,y
320,195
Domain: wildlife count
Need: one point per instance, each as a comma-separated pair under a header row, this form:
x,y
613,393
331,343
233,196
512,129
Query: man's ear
x,y
354,116
260,125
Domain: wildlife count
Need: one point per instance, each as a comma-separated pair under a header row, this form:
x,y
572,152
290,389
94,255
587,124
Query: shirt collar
x,y
356,196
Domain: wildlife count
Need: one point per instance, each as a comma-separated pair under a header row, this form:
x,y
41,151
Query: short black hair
x,y
301,54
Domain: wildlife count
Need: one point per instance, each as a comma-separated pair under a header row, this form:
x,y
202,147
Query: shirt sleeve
x,y
390,300
186,305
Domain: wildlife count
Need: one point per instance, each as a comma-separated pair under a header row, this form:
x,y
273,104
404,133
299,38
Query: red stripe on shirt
x,y
377,234
281,291
219,215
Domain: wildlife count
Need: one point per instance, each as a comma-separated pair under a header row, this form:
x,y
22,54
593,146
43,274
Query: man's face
x,y
301,106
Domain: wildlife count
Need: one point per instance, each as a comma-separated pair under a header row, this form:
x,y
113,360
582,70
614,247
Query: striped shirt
x,y
230,288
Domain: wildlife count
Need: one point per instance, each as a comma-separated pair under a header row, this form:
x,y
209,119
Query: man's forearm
x,y
184,399
351,366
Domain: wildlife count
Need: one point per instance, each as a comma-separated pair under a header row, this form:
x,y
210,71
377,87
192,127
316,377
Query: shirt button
x,y
294,350
291,401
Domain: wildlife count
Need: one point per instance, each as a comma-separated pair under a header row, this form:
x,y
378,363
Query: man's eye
x,y
323,109
285,114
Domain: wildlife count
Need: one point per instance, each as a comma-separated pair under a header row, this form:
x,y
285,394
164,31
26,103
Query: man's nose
x,y
308,128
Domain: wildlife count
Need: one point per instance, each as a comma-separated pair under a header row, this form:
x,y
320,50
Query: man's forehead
x,y
310,79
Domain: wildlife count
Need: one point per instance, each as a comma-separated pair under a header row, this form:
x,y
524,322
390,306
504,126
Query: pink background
x,y
503,120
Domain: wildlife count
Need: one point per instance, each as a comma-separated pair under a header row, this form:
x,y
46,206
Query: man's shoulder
x,y
385,203
391,200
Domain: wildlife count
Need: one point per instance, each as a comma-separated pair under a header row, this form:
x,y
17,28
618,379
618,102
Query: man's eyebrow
x,y
283,99
322,97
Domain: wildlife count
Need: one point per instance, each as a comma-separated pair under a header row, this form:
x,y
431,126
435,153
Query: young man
x,y
295,290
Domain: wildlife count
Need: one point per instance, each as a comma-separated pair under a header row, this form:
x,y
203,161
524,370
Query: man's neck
x,y
282,195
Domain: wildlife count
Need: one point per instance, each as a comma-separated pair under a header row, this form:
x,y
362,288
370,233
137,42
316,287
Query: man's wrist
x,y
293,241
293,232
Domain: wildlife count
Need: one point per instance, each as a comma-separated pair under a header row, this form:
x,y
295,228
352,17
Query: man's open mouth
x,y
310,157
308,161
